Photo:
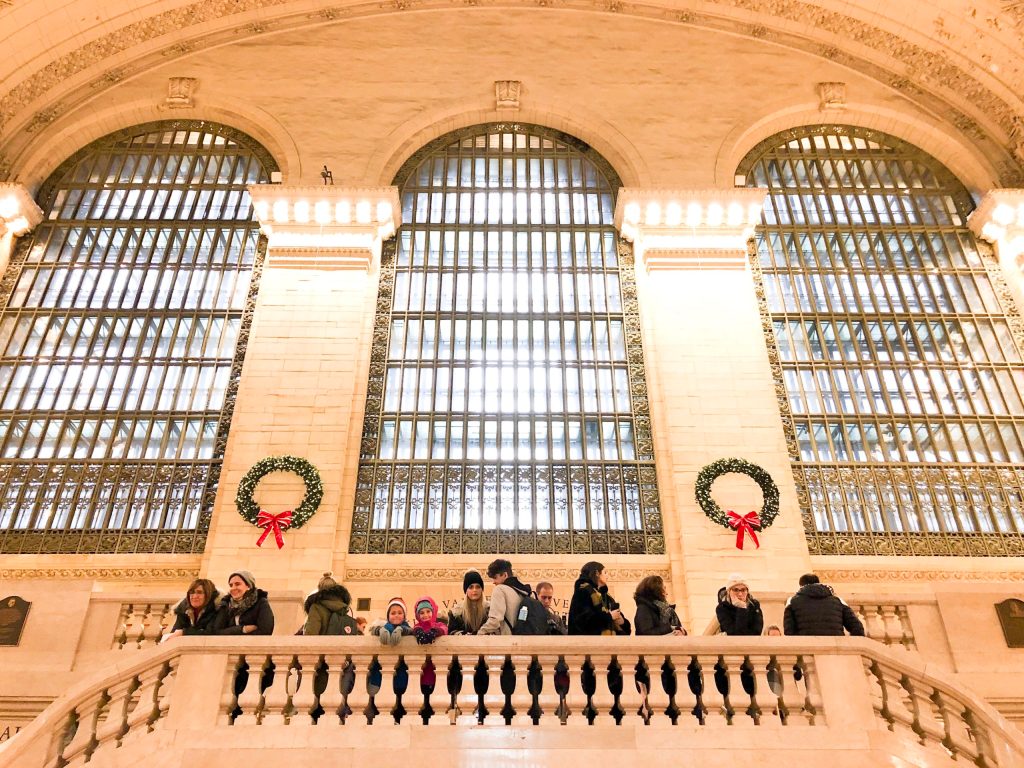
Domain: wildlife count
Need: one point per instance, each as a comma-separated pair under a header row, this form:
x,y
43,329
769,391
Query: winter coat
x,y
504,608
259,614
556,624
590,611
457,618
432,624
815,610
739,621
321,605
651,621
204,623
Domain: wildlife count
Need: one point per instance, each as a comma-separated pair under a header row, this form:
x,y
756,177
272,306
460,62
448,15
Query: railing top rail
x,y
125,667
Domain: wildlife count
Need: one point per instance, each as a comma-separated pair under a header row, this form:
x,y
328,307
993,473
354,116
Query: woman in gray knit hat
x,y
245,610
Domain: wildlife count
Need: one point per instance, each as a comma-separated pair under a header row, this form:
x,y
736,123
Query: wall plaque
x,y
13,612
1011,617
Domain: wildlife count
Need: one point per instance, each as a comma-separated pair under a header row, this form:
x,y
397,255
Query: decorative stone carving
x,y
327,227
1017,139
180,92
897,576
454,574
506,94
132,574
43,118
689,228
831,96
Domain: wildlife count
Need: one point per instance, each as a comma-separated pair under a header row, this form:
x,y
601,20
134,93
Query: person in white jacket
x,y
505,600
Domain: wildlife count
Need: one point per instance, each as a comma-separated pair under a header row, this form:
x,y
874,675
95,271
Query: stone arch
x,y
950,149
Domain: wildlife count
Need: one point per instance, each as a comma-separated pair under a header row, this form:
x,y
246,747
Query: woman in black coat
x,y
738,612
197,613
592,610
654,615
246,610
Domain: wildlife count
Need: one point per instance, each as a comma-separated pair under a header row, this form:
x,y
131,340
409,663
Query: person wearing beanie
x,y
328,610
467,616
427,627
738,611
245,610
394,627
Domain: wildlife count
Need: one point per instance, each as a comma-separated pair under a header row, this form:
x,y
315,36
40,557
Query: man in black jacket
x,y
815,610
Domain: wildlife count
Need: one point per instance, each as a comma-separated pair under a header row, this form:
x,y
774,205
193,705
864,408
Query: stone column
x,y
303,385
19,214
999,220
713,395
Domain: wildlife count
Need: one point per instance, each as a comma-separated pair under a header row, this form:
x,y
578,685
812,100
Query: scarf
x,y
238,607
666,612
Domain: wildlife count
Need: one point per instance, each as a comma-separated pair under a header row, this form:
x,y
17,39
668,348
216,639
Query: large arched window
x,y
507,408
902,368
122,332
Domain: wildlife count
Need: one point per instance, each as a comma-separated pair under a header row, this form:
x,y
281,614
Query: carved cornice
x,y
325,227
102,574
932,77
554,573
894,576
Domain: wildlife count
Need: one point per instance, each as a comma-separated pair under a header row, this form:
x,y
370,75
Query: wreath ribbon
x,y
744,525
276,523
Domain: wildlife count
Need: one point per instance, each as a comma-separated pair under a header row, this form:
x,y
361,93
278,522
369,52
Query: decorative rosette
x,y
278,523
747,524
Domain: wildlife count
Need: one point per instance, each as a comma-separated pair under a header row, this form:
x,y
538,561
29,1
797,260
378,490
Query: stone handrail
x,y
231,685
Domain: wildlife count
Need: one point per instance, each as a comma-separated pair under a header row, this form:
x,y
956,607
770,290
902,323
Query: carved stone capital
x,y
831,96
180,92
18,211
325,227
506,94
999,219
689,228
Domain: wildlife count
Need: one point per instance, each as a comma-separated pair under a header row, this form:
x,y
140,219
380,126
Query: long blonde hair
x,y
474,613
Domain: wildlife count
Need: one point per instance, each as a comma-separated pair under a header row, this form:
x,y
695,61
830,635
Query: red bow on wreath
x,y
276,523
743,525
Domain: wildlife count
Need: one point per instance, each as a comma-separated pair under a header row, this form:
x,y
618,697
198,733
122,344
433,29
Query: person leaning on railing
x,y
593,611
738,611
197,613
654,614
245,610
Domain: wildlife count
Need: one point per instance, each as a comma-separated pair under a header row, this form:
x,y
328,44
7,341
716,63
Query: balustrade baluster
x,y
454,679
614,680
588,682
927,720
147,708
123,622
762,698
891,623
724,689
404,681
153,623
481,684
986,752
813,703
794,700
958,738
895,699
275,691
567,671
642,683
332,698
248,687
375,689
695,683
367,678
80,747
535,685
302,678
507,684
237,674
428,684
906,632
113,723
163,693
870,616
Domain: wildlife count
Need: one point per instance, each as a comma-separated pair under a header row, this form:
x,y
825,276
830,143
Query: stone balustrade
x,y
657,698
141,623
888,623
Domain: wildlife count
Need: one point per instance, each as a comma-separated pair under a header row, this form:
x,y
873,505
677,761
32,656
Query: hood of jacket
x,y
335,599
816,591
210,606
434,621
517,585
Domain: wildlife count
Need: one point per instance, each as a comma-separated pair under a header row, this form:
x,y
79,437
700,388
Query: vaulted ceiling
x,y
962,60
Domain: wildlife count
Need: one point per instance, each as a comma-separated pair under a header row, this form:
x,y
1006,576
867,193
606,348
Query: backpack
x,y
341,624
532,618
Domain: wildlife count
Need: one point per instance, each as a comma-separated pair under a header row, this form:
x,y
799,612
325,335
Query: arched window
x,y
507,409
122,330
902,368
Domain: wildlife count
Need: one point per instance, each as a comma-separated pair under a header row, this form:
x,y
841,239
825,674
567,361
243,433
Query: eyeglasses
x,y
197,592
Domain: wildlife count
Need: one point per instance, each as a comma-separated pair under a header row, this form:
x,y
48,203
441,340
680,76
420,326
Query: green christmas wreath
x,y
250,510
750,522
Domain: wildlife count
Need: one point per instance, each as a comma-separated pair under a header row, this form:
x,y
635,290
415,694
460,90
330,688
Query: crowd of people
x,y
513,609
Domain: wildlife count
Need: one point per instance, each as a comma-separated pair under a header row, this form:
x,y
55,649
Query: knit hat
x,y
424,602
734,580
400,603
245,576
471,578
326,582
